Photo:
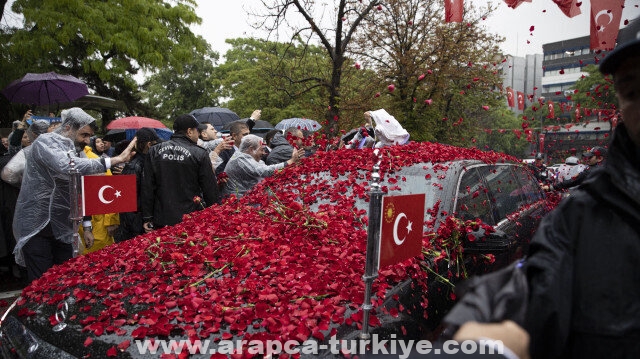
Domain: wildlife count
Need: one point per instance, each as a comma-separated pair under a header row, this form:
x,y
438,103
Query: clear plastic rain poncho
x,y
13,171
243,171
44,195
388,130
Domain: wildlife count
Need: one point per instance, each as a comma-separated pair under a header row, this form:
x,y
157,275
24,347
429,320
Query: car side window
x,y
472,198
529,185
505,189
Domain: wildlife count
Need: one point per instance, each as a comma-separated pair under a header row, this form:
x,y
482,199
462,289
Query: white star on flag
x,y
118,194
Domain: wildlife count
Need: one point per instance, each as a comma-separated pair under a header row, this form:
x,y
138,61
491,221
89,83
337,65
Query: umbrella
x,y
216,116
300,123
260,125
121,134
134,122
45,89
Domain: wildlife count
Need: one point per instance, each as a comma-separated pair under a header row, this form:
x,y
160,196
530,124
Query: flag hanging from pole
x,y
552,111
605,23
520,101
569,7
108,194
510,97
453,10
515,3
401,228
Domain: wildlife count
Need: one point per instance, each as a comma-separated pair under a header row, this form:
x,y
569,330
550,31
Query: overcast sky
x,y
223,19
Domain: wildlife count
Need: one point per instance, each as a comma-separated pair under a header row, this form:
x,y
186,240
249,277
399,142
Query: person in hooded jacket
x,y
177,173
131,223
281,149
584,299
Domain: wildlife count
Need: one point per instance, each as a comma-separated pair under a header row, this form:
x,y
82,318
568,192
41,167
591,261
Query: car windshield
x,y
326,188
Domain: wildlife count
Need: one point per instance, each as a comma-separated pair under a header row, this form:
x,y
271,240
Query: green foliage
x,y
594,91
499,135
172,92
443,74
280,79
106,43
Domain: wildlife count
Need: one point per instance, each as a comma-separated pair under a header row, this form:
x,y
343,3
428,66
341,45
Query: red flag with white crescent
x,y
109,194
401,228
552,111
520,100
605,23
510,97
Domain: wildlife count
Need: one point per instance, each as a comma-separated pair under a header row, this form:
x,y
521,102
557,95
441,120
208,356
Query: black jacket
x,y
583,269
175,172
131,222
281,150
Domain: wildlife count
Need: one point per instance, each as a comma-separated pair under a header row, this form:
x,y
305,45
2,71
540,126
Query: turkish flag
x,y
520,100
108,194
515,3
453,10
605,23
568,7
401,228
552,111
510,98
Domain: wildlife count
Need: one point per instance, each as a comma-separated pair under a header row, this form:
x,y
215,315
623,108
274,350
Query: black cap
x,y
539,156
595,151
185,122
628,45
147,134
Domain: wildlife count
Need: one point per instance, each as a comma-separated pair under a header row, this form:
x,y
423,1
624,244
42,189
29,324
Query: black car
x,y
285,262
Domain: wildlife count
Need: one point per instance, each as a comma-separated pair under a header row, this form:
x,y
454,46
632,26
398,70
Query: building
x,y
523,74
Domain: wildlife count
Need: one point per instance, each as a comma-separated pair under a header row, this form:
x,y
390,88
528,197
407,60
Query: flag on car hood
x,y
401,228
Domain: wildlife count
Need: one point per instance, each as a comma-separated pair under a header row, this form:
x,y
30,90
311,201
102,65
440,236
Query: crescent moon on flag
x,y
395,229
101,194
603,12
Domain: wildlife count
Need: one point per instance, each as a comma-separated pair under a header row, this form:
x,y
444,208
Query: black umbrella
x,y
259,125
216,116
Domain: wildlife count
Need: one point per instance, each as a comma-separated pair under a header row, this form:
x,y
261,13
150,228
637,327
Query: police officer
x,y
178,178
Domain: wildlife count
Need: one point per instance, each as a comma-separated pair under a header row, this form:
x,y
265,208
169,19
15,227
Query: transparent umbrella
x,y
300,123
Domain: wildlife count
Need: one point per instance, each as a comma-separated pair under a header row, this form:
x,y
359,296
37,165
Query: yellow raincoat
x,y
100,222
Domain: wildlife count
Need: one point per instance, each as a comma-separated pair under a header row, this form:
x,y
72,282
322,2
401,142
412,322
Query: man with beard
x,y
41,224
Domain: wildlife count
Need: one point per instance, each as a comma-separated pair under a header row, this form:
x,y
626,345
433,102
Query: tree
x,y
106,43
594,90
282,80
172,92
439,76
258,74
306,20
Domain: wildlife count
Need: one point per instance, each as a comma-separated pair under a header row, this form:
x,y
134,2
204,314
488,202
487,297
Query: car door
x,y
475,199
